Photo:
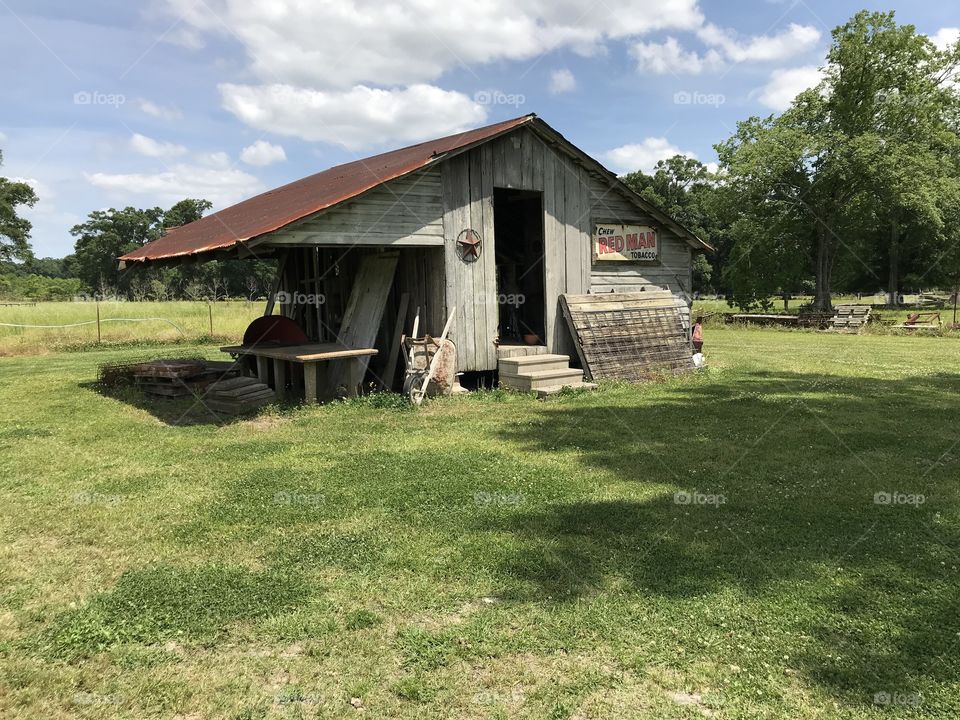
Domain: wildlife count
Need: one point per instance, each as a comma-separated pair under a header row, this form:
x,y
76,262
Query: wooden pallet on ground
x,y
850,318
171,369
176,378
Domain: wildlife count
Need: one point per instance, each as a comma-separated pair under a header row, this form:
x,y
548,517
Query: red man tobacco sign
x,y
625,243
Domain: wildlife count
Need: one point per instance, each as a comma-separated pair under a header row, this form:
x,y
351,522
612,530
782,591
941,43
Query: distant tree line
x,y
92,270
108,234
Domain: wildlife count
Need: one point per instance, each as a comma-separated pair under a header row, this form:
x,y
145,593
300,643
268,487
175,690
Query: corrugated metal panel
x,y
276,208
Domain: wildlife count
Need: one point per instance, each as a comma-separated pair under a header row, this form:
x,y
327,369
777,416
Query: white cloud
x,y
642,156
785,85
670,57
214,159
155,148
760,48
351,42
164,112
3,137
944,37
262,153
355,118
562,81
222,187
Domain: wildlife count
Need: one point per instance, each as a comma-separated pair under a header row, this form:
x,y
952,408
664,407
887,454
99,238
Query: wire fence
x,y
26,329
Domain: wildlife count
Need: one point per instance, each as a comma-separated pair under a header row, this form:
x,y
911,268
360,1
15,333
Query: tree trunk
x,y
822,301
893,281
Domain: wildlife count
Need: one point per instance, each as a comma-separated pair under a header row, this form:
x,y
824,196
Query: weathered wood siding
x,y
521,161
673,270
406,211
427,210
420,273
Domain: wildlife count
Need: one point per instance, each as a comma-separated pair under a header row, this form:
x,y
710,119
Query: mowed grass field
x,y
775,537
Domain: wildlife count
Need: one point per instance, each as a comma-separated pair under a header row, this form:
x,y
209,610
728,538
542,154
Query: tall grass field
x,y
73,325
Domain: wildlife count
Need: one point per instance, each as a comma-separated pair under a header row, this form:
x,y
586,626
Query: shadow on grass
x,y
782,487
176,411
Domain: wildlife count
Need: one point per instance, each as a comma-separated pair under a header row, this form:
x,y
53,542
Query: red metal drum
x,y
274,330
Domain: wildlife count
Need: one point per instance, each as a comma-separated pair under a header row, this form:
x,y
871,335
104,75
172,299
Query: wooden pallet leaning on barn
x,y
629,336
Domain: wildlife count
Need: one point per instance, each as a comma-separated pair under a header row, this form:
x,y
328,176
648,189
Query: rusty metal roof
x,y
276,208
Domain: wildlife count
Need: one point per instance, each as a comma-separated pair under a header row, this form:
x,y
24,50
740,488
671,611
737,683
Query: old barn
x,y
490,228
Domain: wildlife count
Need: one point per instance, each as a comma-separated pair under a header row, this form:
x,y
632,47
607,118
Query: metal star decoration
x,y
469,245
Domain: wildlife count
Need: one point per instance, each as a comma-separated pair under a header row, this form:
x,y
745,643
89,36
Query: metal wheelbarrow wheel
x,y
413,385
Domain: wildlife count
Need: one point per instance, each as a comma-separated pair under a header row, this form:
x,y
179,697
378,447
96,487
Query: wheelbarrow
x,y
431,363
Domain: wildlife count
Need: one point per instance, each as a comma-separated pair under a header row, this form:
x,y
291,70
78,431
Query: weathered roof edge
x,y
503,127
552,136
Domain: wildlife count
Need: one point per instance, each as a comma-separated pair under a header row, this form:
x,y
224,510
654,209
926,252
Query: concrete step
x,y
541,379
515,351
554,389
533,363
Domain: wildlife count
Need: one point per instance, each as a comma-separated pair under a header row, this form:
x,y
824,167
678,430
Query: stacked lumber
x,y
173,378
238,395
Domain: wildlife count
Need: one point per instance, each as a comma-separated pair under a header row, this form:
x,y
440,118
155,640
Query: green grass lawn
x,y
494,556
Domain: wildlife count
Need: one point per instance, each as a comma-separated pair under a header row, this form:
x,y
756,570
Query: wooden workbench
x,y
308,355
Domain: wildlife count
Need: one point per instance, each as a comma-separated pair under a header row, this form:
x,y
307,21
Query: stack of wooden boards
x,y
173,378
213,383
629,336
238,395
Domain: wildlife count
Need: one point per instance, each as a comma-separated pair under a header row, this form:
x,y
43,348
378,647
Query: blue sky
x,y
110,103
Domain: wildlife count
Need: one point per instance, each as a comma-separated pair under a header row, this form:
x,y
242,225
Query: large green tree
x,y
14,230
684,188
106,235
890,95
854,169
186,211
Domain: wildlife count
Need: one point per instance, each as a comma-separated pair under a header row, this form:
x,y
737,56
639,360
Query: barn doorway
x,y
518,232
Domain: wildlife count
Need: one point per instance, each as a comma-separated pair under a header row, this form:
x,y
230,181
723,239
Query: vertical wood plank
x,y
361,320
280,377
263,370
484,294
536,146
586,231
526,159
488,359
499,162
310,382
553,264
459,280
513,147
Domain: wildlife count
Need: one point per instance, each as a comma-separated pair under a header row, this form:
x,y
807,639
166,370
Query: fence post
x,y
98,322
210,312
